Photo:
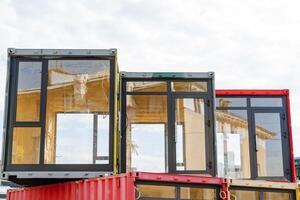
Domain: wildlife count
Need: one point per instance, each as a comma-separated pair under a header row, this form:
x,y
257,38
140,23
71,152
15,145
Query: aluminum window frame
x,y
10,108
209,95
286,135
178,186
262,190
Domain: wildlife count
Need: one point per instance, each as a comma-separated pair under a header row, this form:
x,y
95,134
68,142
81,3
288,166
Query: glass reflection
x,y
244,195
78,87
156,192
189,193
29,91
268,144
26,145
190,134
233,143
189,86
277,195
146,86
146,125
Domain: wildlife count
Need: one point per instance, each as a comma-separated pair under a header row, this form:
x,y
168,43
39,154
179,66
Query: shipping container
x,y
60,115
254,135
129,186
262,190
167,122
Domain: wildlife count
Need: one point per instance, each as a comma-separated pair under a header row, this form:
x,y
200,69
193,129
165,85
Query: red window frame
x,y
265,92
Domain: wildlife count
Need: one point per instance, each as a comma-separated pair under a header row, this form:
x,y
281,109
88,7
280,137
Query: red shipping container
x,y
119,187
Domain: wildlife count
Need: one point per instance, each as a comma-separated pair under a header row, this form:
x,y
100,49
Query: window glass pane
x,y
74,144
29,90
266,102
26,145
277,195
268,144
244,194
189,86
143,153
233,143
102,139
231,102
189,193
146,125
190,134
146,86
156,192
75,86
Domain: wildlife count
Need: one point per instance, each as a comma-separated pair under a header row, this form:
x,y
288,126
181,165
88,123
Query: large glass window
x,y
268,144
76,86
174,115
190,134
146,125
26,145
233,143
29,91
252,124
174,191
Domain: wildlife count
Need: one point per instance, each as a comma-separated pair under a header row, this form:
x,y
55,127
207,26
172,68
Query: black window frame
x,y
262,190
179,185
10,115
208,96
251,110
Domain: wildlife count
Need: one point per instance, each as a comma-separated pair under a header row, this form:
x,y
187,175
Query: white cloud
x,y
249,44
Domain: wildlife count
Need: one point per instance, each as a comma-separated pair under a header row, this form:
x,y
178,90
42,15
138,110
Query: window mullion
x,y
43,105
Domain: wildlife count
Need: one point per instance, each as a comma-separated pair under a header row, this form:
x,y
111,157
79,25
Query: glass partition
x,y
190,134
146,126
252,137
176,191
244,195
189,86
189,193
268,144
266,102
231,102
260,194
26,145
146,86
75,87
146,192
277,195
174,115
29,91
26,134
233,143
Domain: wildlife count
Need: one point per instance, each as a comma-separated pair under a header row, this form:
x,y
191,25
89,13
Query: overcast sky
x,y
248,44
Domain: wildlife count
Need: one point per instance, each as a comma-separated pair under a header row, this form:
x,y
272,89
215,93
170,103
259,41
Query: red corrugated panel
x,y
252,92
57,191
119,187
